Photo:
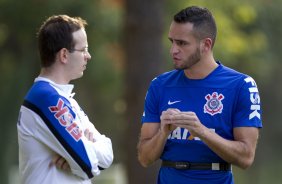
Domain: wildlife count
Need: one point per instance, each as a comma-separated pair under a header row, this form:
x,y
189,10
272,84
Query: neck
x,y
54,76
201,69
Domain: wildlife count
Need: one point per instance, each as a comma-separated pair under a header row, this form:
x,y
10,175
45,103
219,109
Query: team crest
x,y
213,105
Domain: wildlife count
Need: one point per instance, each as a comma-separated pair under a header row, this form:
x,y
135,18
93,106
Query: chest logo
x,y
173,102
66,119
213,105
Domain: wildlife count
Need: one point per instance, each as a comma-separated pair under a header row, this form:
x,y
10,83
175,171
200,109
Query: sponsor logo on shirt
x,y
184,134
173,102
254,98
213,105
66,119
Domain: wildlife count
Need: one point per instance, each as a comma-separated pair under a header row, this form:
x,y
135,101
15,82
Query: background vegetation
x,y
129,46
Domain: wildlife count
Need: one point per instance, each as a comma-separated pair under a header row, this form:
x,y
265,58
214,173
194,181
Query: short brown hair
x,y
56,33
203,22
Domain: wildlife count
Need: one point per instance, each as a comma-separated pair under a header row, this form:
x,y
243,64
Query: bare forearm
x,y
150,150
240,151
236,152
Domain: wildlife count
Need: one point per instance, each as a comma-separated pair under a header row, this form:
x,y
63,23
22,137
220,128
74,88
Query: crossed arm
x,y
60,162
240,151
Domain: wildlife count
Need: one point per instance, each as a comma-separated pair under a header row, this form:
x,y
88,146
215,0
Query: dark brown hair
x,y
56,33
203,22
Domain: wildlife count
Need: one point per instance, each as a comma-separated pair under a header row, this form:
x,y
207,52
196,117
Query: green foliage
x,y
239,40
97,91
249,39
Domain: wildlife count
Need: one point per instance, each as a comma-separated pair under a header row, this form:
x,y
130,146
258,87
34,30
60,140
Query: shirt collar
x,y
65,89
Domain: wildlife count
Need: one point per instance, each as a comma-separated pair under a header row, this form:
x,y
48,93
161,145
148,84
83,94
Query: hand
x,y
89,135
60,162
166,124
190,121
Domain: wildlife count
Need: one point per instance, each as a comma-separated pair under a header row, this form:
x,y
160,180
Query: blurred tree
x,y
270,73
143,30
241,44
16,74
19,63
249,39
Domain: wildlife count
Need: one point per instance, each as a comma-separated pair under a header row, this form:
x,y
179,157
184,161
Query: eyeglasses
x,y
84,50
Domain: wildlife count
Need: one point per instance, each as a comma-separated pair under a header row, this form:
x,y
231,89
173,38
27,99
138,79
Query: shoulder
x,y
230,72
232,77
42,94
41,90
167,78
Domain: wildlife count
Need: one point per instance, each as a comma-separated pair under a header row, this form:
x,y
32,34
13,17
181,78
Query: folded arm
x,y
153,138
240,151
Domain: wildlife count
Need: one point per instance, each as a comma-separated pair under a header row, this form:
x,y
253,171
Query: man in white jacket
x,y
57,142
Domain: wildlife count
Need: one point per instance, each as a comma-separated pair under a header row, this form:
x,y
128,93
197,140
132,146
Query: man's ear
x,y
63,55
206,44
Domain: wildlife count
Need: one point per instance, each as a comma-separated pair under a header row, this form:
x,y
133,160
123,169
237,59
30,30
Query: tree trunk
x,y
143,33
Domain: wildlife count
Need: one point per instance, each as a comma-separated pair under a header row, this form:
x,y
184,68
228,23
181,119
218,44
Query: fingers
x,y
173,118
60,162
191,116
166,120
180,119
66,166
55,159
166,115
173,110
188,118
174,114
171,127
89,135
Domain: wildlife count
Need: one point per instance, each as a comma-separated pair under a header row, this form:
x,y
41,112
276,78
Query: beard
x,y
190,61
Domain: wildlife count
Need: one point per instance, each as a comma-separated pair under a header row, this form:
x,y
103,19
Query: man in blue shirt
x,y
202,117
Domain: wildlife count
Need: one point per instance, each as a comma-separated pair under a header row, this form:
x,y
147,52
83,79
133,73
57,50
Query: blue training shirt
x,y
225,99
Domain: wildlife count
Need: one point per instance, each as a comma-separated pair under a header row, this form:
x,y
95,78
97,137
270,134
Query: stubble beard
x,y
191,61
